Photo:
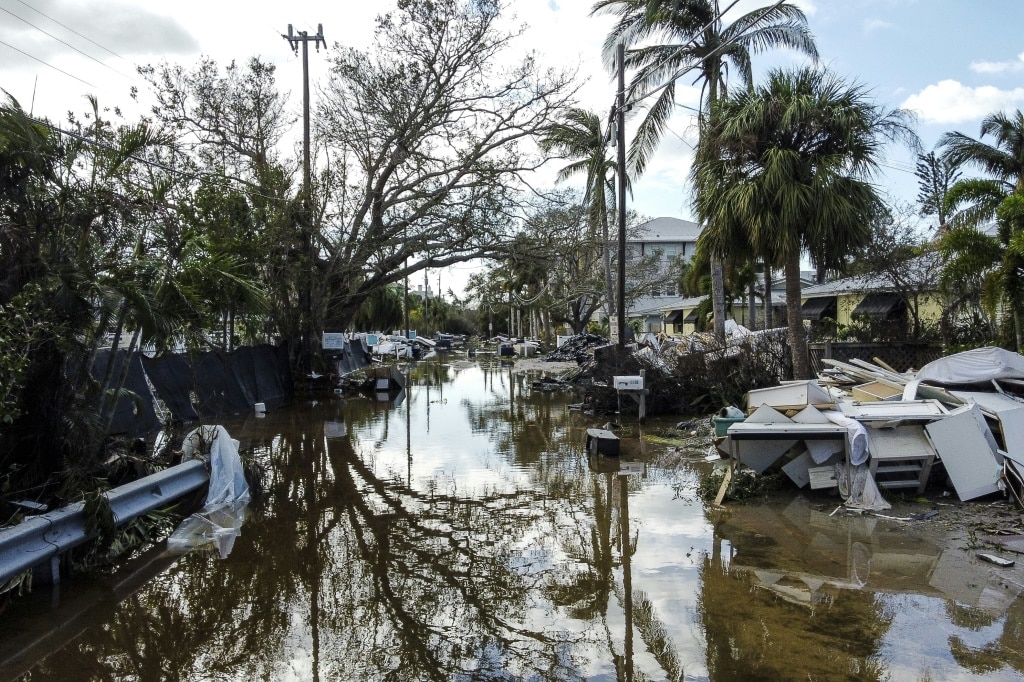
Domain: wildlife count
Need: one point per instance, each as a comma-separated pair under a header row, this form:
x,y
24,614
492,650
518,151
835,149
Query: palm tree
x,y
978,200
580,138
791,166
680,36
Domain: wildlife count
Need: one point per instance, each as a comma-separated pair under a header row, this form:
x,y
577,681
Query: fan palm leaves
x,y
673,38
999,283
791,174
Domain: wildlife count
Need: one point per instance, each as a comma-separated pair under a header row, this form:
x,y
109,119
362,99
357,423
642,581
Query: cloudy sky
x,y
952,61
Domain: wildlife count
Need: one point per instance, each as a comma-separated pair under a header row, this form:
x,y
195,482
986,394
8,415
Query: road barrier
x,y
44,538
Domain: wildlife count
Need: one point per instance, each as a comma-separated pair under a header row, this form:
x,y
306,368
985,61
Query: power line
x,y
73,31
48,64
84,54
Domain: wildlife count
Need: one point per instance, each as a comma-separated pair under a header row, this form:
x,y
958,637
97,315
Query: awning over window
x,y
879,305
819,307
674,317
691,317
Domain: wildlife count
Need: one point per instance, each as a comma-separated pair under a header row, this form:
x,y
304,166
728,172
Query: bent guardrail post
x,y
46,537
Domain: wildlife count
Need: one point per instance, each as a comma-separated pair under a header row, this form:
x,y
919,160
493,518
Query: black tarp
x,y
258,372
674,317
217,383
133,415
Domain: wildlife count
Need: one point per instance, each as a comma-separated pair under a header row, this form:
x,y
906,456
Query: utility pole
x,y
307,205
620,140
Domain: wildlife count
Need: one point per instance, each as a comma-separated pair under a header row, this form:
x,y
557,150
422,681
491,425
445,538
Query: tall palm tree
x,y
677,37
1003,160
792,163
979,200
580,138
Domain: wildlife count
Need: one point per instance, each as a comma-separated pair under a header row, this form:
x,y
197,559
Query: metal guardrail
x,y
46,537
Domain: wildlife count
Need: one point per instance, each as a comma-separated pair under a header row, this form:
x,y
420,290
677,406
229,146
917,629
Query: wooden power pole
x,y
294,39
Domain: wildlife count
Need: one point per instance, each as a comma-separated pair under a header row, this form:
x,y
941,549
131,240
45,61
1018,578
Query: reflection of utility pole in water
x,y
625,552
408,426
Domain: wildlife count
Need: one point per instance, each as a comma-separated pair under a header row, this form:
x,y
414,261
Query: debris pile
x,y
579,348
863,427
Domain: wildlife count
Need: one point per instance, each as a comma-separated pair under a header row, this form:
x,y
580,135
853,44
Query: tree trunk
x,y
718,298
609,288
794,318
752,306
1017,330
769,312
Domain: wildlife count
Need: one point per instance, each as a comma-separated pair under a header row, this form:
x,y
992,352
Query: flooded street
x,y
461,533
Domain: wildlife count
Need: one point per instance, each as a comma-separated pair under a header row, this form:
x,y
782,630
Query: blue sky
x,y
953,61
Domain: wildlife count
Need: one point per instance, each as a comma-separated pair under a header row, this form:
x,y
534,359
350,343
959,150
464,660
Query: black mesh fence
x,y
134,414
218,383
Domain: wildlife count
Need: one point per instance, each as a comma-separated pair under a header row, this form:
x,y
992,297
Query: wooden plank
x,y
885,374
822,477
726,480
879,389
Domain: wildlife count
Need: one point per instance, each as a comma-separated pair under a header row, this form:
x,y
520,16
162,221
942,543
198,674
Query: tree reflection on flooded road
x,y
460,532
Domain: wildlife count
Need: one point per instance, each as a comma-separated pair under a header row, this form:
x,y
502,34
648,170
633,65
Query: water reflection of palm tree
x,y
586,593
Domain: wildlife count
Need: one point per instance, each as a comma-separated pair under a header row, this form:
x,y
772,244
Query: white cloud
x,y
999,67
873,25
949,101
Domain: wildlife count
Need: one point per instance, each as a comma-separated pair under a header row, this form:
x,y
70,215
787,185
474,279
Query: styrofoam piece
x,y
967,449
823,477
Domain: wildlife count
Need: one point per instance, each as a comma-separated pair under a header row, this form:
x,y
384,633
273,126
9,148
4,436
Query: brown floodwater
x,y
461,532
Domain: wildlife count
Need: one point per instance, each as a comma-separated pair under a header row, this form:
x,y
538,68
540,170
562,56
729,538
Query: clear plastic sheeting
x,y
979,365
858,488
856,439
219,522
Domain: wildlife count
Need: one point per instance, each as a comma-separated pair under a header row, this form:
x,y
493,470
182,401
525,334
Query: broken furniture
x,y
901,457
786,431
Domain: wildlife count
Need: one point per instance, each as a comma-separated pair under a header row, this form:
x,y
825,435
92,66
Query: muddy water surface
x,y
461,533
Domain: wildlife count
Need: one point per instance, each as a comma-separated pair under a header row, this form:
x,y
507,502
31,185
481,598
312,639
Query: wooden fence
x,y
900,356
